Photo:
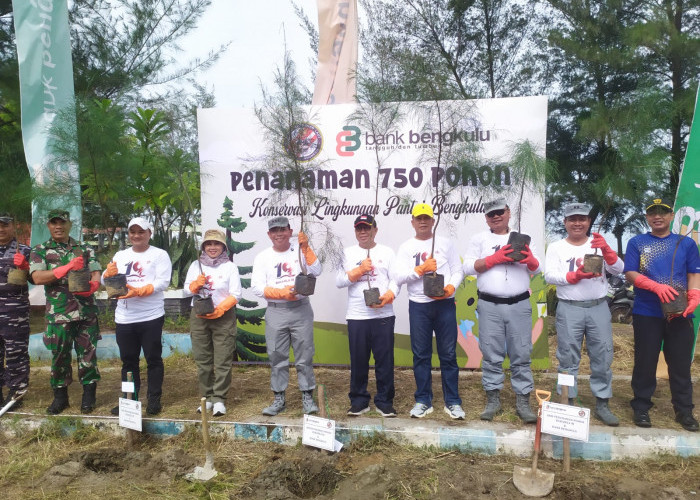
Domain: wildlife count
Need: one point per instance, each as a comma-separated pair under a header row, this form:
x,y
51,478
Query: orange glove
x,y
94,285
693,301
143,291
386,298
449,290
221,309
111,270
75,264
286,293
309,254
428,266
198,283
364,267
20,261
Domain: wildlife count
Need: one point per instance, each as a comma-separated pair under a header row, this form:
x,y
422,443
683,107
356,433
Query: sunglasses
x,y
495,213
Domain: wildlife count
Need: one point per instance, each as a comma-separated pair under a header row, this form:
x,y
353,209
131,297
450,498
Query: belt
x,y
289,304
503,300
584,303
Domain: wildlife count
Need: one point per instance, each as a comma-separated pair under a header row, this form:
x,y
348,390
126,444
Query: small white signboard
x,y
566,379
130,414
128,387
566,421
320,433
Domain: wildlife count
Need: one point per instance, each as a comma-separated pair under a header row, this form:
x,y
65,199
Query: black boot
x,y
154,407
89,398
115,410
60,401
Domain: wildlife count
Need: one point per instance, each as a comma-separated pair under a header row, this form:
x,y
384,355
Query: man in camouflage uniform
x,y
71,317
14,315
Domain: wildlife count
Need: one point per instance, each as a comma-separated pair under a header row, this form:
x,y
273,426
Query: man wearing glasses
x,y
655,262
504,311
370,328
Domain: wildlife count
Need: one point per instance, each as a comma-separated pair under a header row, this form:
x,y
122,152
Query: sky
x,y
257,31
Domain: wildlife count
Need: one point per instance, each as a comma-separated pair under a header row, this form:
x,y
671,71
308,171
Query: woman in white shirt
x,y
214,334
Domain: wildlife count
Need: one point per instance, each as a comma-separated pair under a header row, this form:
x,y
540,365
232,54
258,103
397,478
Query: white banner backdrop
x,y
345,153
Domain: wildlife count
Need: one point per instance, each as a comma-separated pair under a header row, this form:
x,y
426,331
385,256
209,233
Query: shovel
x,y
206,472
11,402
530,481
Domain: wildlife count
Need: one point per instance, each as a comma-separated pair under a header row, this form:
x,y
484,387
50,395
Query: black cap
x,y
366,220
6,217
660,202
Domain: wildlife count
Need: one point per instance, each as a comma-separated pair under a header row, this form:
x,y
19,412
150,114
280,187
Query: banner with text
x,y
46,89
454,155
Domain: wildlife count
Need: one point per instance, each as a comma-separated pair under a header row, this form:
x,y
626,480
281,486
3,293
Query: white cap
x,y
141,222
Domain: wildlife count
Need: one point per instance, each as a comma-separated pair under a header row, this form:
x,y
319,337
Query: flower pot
x,y
517,242
434,284
677,305
371,296
203,305
305,284
116,286
79,281
17,277
593,263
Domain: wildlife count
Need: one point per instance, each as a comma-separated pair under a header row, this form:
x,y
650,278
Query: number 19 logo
x,y
348,141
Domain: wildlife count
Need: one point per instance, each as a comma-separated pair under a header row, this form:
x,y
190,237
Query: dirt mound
x,y
110,465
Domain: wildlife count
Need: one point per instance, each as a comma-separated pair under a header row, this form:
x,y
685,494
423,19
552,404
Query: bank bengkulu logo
x,y
305,142
348,141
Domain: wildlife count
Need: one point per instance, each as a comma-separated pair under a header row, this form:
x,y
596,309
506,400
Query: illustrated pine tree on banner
x,y
249,346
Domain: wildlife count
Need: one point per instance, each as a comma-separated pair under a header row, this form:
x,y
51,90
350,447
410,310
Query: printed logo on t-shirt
x,y
575,263
283,269
420,257
370,273
134,269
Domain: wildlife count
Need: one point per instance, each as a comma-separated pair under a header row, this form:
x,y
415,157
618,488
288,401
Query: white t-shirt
x,y
222,281
413,253
563,257
142,268
278,270
502,280
381,276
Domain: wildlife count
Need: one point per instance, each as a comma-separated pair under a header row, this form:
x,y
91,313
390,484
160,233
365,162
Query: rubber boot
x,y
493,405
60,401
278,405
522,408
154,407
603,413
89,398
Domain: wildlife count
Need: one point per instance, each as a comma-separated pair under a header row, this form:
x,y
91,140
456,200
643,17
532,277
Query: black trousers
x,y
371,336
677,336
146,335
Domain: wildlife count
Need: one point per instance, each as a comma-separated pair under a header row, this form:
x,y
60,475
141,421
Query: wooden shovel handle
x,y
205,426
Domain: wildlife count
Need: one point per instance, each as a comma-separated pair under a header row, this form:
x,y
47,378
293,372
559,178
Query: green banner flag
x,y
46,91
687,205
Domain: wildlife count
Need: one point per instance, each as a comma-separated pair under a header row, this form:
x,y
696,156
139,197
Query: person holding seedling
x,y
504,310
71,317
369,266
215,282
662,266
583,310
140,313
289,319
427,314
14,313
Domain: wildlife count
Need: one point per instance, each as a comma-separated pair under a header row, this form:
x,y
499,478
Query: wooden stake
x,y
131,435
567,452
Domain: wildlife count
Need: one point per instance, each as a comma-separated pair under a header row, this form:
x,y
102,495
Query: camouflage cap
x,y
6,217
57,213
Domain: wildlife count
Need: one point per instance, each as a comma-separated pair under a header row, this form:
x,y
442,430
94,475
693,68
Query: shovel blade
x,y
201,474
537,484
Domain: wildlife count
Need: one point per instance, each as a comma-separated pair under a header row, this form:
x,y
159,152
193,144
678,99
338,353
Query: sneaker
x,y
687,421
308,404
420,410
357,410
209,405
219,409
386,411
455,411
278,405
641,418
